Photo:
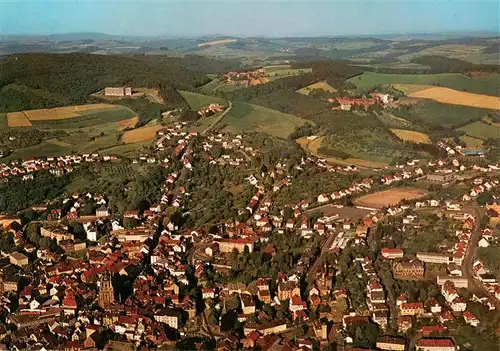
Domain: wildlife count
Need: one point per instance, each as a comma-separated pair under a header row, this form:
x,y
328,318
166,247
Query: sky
x,y
247,18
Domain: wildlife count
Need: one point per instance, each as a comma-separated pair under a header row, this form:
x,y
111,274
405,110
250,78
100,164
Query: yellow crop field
x,y
217,42
141,134
410,135
89,107
321,85
50,114
454,97
18,119
62,112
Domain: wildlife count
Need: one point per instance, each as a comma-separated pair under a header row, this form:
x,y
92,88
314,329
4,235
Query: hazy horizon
x,y
249,18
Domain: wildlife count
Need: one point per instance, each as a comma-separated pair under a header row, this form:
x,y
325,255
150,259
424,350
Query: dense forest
x,y
18,194
33,81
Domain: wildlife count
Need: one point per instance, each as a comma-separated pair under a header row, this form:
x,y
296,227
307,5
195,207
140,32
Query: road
x,y
194,250
471,249
245,154
467,271
219,118
311,275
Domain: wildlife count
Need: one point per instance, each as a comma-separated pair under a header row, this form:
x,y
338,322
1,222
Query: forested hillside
x,y
48,80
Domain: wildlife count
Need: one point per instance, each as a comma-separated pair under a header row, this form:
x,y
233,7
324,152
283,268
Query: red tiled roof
x,y
412,305
435,342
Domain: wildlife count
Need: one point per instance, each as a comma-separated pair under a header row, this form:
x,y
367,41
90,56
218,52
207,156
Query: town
x,y
248,175
397,270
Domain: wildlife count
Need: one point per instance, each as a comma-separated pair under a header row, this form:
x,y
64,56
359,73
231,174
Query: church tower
x,y
106,292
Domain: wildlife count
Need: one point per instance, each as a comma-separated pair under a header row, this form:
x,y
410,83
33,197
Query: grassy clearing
x,y
197,101
481,130
410,135
454,97
205,122
245,117
322,85
473,143
312,146
210,87
485,85
276,73
392,121
45,148
429,113
126,149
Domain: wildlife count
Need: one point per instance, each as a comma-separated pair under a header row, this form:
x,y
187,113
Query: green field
x,y
393,121
45,148
210,87
432,113
276,72
133,149
197,101
471,142
245,117
95,131
88,119
486,85
481,130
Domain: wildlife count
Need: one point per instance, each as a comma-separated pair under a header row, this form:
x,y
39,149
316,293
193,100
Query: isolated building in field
x,y
121,91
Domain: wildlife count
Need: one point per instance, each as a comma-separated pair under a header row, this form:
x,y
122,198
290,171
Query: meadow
x,y
489,85
197,101
392,121
245,117
471,142
45,148
321,85
481,130
313,145
434,114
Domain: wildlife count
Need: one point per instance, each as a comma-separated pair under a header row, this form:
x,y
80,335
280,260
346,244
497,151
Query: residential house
x,y
435,344
391,343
